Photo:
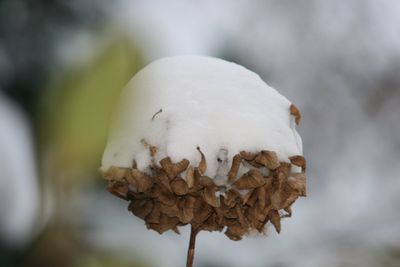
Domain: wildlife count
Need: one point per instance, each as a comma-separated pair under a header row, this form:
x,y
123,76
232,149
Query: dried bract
x,y
250,180
268,159
299,161
296,113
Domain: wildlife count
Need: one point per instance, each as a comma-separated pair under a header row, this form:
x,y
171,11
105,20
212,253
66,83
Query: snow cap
x,y
177,104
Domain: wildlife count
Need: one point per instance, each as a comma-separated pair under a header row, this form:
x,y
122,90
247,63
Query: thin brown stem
x,y
192,243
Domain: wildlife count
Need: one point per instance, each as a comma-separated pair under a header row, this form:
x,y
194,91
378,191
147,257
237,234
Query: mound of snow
x,y
205,102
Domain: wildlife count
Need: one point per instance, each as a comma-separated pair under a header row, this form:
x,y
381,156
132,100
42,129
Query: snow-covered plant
x,y
202,141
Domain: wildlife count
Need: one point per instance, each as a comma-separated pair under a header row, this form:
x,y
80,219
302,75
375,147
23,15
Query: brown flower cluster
x,y
175,194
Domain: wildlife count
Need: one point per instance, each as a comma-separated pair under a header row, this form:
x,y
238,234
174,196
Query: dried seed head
x,y
217,186
165,201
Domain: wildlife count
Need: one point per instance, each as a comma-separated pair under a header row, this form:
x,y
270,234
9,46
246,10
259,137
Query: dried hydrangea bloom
x,y
205,142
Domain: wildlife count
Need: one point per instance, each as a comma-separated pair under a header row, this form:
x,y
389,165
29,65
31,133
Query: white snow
x,y
217,105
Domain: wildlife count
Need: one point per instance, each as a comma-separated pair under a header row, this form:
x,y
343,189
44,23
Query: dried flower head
x,y
221,154
166,200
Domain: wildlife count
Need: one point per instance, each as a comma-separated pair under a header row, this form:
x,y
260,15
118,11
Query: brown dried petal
x,y
296,113
261,195
115,173
253,163
170,211
154,215
255,213
141,207
205,181
275,219
190,176
186,206
173,169
248,155
142,181
119,189
230,197
279,179
162,179
167,165
245,198
298,160
260,225
234,168
231,213
179,187
220,212
197,186
202,212
289,200
252,179
280,191
203,164
210,197
298,183
276,200
165,223
166,197
240,216
251,200
235,232
268,159
283,168
211,224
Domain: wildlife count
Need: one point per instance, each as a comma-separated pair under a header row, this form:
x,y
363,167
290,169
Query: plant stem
x,y
192,242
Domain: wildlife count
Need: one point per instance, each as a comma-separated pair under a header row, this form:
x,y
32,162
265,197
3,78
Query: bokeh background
x,y
64,62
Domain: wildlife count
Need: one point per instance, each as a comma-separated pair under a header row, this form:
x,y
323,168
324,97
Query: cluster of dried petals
x,y
175,194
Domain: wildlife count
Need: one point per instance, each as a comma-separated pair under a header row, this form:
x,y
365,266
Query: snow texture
x,y
206,102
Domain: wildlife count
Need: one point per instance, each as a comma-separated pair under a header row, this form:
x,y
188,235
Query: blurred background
x,y
63,64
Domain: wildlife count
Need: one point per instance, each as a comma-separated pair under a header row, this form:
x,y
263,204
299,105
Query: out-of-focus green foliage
x,y
78,107
73,120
